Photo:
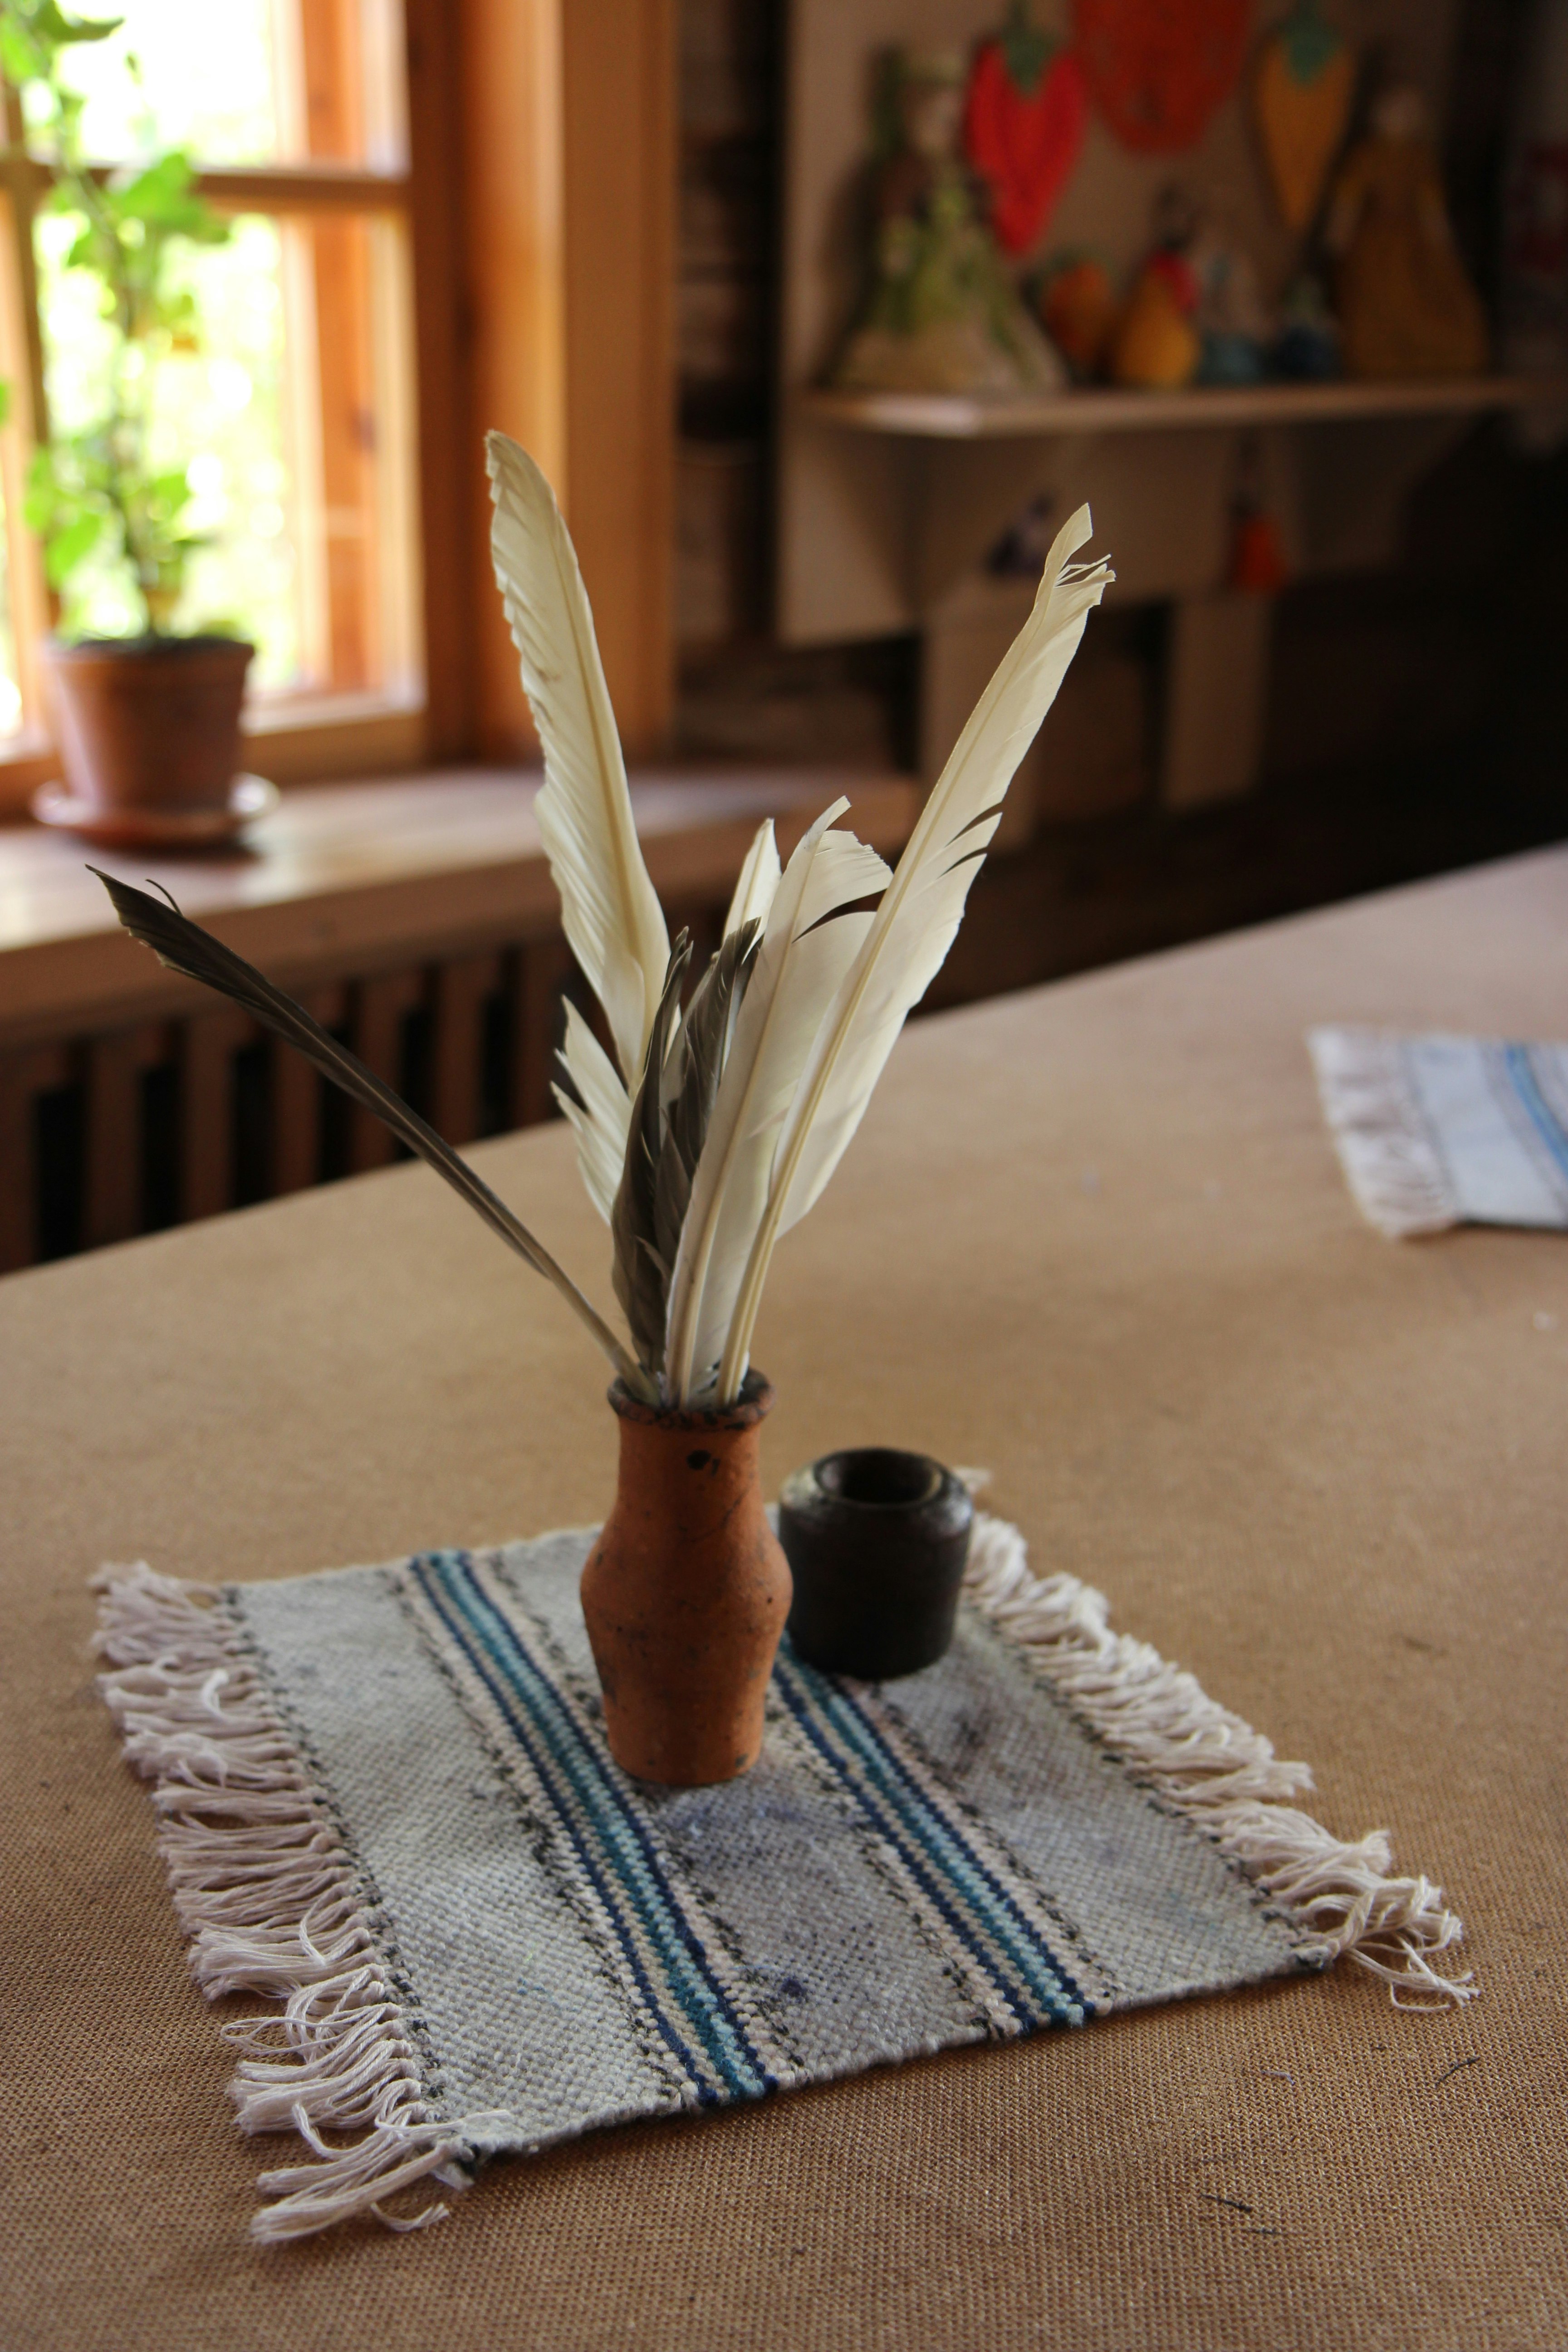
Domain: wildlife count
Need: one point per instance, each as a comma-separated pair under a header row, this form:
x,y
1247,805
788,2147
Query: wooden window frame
x,y
539,204
328,733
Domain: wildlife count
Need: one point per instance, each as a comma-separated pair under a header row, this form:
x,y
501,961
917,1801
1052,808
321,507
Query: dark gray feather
x,y
641,1275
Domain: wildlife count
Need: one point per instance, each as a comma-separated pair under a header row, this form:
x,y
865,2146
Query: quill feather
x,y
598,1106
610,909
697,1059
919,912
759,879
186,948
802,959
640,1273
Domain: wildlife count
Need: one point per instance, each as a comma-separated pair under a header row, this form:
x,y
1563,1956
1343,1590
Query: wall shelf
x,y
893,508
948,416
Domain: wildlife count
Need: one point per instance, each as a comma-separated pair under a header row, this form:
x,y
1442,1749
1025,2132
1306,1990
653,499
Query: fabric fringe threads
x,y
1225,1777
266,1889
266,1893
1391,1166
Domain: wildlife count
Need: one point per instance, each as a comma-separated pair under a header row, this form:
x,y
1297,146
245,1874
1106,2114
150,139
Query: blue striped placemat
x,y
386,1803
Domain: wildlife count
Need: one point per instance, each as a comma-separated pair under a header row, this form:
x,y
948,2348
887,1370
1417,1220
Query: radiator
x,y
131,1129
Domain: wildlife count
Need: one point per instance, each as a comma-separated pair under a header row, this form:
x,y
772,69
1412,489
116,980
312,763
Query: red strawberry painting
x,y
1158,68
1024,120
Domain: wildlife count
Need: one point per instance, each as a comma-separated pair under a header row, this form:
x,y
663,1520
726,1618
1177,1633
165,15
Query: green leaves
x,y
99,485
81,491
34,32
65,504
163,196
50,23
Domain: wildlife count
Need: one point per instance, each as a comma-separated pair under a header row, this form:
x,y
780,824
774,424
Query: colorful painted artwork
x,y
1302,95
1025,112
1157,69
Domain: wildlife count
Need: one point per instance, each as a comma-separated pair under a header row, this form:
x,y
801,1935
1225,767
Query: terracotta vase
x,y
149,722
686,1591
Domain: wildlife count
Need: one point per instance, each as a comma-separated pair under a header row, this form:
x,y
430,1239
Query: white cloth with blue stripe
x,y
1433,1131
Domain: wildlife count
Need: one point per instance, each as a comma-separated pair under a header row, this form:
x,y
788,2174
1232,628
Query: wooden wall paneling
x,y
380,1005
208,1044
296,1100
461,985
1215,697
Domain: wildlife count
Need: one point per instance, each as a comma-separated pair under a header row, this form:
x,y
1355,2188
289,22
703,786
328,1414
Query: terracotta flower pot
x,y
686,1592
149,722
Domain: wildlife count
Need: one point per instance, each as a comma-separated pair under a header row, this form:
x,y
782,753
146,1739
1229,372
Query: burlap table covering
x,y
1097,1238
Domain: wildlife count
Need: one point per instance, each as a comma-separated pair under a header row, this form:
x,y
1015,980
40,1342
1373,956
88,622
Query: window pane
x,y
294,420
207,80
247,81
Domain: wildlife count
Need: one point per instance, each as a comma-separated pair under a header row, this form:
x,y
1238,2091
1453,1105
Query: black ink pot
x,y
876,1542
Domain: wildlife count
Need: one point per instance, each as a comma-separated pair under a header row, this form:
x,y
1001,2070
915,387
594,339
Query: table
x,y
1094,1237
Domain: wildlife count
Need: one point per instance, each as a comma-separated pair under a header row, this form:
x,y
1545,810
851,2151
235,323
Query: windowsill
x,y
301,739
351,876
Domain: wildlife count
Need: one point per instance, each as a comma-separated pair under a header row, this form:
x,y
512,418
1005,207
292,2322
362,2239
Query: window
x,y
297,415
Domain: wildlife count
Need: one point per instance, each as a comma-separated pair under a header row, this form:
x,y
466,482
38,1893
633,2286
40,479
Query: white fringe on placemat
x,y
269,1897
1159,1721
1390,1163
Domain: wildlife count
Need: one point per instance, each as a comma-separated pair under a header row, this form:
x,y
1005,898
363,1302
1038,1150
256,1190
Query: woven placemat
x,y
387,1804
1434,1130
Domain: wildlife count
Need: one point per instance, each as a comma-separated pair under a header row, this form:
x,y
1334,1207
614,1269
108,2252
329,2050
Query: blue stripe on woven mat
x,y
1527,1087
974,1906
605,1833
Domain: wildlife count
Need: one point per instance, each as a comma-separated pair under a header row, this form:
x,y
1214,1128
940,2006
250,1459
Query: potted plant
x,y
708,1128
147,723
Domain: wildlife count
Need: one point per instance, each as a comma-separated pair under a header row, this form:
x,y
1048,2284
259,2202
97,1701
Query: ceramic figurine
x,y
1405,306
1307,346
1077,308
944,314
1024,120
1256,564
1157,345
1234,326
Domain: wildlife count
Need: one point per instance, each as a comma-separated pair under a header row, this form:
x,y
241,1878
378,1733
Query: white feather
x,y
601,1117
610,909
799,965
914,926
759,880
